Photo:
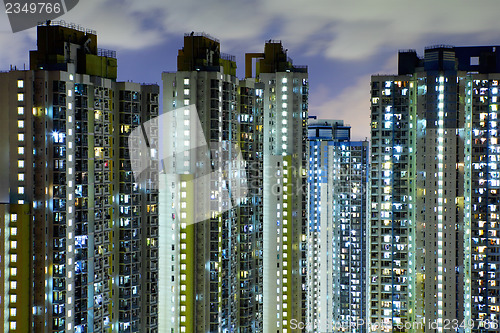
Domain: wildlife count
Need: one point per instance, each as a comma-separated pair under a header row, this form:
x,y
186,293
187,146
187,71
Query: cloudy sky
x,y
342,41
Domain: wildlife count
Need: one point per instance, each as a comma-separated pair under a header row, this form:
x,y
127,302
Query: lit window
x,y
71,77
13,231
21,189
20,110
20,177
20,137
20,97
13,325
13,312
20,150
13,271
186,92
20,83
186,102
13,298
13,258
13,245
20,124
13,217
20,164
186,81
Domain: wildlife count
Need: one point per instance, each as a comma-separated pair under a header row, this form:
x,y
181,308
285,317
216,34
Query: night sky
x,y
342,42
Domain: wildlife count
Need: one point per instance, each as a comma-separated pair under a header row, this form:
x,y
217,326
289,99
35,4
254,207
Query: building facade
x,y
92,230
286,90
338,188
235,267
428,259
200,226
15,264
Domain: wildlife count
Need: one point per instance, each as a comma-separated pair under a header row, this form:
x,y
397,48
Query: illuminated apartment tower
x,y
92,231
210,280
433,238
136,209
250,293
217,270
285,92
338,180
482,191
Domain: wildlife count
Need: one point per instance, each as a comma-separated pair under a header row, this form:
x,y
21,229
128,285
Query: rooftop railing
x,y
106,53
229,57
407,51
65,24
439,46
201,34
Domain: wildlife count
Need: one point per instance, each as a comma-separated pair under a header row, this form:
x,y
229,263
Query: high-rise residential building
x,y
201,229
285,109
136,211
433,232
234,234
338,197
92,231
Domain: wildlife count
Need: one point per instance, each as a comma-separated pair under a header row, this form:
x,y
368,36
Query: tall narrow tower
x,y
203,226
286,153
338,198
